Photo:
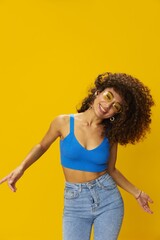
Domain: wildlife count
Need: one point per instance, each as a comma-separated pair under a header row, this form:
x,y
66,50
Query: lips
x,y
102,109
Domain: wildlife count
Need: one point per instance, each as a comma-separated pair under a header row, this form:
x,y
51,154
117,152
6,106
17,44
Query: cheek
x,y
96,105
98,99
96,102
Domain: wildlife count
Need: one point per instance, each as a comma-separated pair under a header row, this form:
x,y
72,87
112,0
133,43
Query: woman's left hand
x,y
143,200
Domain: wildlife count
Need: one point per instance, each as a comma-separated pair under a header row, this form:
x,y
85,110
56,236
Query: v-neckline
x,y
92,148
104,139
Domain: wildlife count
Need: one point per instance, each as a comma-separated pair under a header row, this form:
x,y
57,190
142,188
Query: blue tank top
x,y
73,155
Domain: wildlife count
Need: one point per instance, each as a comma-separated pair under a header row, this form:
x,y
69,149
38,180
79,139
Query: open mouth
x,y
102,109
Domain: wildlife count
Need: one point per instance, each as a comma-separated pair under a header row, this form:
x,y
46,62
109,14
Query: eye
x,y
108,96
117,107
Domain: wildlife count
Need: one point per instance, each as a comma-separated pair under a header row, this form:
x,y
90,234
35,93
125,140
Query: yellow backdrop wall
x,y
51,52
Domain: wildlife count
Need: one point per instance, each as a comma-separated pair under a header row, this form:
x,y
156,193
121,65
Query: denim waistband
x,y
89,183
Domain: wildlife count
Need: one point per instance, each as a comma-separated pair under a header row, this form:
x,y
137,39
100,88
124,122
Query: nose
x,y
107,106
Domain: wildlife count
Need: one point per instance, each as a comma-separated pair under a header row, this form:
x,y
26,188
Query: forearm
x,y
122,182
35,153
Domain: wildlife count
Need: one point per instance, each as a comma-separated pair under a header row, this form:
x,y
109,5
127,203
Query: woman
x,y
116,110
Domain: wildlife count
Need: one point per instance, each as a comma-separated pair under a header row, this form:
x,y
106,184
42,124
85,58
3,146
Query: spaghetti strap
x,y
72,123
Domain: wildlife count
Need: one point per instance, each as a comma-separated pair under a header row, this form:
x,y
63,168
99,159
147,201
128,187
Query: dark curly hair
x,y
133,122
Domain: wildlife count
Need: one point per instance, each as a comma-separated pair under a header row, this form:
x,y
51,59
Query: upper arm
x,y
112,157
53,132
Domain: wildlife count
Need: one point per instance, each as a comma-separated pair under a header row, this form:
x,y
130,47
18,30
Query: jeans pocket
x,y
71,193
108,184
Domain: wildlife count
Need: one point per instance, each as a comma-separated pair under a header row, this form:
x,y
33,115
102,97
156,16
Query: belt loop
x,y
98,182
80,187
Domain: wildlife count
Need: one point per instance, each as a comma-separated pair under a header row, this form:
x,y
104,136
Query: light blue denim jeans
x,y
98,203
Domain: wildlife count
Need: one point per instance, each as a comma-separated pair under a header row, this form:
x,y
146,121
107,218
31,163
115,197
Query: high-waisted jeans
x,y
98,203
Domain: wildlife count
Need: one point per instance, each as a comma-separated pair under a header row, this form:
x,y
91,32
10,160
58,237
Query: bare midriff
x,y
77,176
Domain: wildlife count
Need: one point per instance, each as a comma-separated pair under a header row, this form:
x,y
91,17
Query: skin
x,y
87,131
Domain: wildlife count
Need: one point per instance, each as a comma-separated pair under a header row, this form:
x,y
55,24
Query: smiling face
x,y
107,103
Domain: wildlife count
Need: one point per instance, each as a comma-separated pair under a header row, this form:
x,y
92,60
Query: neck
x,y
90,118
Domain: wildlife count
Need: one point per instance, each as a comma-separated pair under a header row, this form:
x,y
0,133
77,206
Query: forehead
x,y
116,95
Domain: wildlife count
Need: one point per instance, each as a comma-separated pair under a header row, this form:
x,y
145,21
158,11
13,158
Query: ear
x,y
97,92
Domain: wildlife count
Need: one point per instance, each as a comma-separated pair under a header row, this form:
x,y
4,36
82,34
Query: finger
x,y
3,179
147,209
12,188
12,185
150,200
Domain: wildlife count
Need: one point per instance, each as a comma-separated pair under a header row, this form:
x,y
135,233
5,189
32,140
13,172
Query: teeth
x,y
102,109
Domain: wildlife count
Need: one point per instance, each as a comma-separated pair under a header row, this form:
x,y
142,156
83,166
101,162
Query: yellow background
x,y
51,51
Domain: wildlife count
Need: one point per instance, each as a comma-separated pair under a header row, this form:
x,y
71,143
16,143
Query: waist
x,y
92,182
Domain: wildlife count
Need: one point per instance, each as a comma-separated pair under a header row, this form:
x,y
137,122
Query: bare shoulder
x,y
61,121
62,118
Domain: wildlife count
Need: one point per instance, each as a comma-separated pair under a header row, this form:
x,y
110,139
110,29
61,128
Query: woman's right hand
x,y
13,177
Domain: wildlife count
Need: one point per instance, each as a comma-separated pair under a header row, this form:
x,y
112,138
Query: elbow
x,y
42,148
111,171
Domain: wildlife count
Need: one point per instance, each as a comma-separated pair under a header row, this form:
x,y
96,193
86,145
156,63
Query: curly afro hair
x,y
133,122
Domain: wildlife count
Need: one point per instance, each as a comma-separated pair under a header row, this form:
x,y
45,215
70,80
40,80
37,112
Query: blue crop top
x,y
73,155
